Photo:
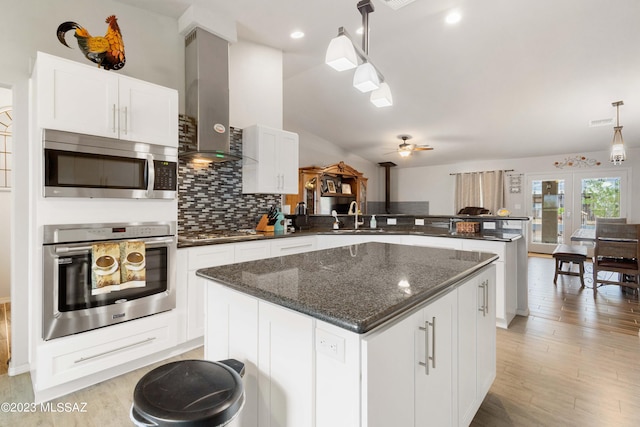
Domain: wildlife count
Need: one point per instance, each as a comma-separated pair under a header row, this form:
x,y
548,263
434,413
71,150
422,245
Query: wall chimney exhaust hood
x,y
207,96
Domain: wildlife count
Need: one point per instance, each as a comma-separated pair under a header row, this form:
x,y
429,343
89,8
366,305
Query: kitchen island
x,y
350,336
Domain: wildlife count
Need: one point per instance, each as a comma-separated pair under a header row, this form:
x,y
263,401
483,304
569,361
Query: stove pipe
x,y
387,185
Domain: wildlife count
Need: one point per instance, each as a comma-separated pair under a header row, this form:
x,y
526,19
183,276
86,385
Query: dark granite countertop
x,y
356,287
492,235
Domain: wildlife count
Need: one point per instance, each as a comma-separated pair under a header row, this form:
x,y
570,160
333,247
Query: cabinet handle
x,y
486,296
426,345
124,347
113,127
482,307
126,120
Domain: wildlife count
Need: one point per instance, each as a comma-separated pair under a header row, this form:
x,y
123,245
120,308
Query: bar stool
x,y
570,254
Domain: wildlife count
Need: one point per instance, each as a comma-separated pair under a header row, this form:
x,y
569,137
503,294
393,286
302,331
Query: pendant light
x,y
618,154
342,55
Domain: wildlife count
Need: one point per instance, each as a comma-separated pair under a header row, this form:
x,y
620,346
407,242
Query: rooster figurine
x,y
107,51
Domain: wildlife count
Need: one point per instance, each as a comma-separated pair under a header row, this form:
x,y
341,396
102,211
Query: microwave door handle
x,y
151,175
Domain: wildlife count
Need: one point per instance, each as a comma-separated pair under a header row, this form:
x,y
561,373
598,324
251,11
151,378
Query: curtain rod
x,y
503,170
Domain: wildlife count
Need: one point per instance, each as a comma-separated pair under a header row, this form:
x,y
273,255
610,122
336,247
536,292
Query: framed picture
x,y
331,186
346,188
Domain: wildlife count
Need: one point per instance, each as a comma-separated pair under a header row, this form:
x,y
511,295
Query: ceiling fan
x,y
405,149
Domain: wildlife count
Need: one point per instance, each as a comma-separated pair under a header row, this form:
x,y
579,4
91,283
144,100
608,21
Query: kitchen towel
x,y
105,269
118,266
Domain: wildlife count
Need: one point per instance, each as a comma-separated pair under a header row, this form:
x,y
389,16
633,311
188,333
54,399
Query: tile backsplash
x,y
210,197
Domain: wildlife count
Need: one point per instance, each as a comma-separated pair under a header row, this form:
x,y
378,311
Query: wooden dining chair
x,y
617,251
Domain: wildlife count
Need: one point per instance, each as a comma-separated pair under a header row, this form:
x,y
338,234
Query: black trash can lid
x,y
188,392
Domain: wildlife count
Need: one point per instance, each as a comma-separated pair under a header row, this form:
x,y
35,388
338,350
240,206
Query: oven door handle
x,y
67,249
151,171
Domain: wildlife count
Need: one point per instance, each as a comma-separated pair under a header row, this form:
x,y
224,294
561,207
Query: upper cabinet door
x,y
271,161
76,98
148,113
288,163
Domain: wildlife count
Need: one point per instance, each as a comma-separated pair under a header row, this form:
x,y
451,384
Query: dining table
x,y
584,235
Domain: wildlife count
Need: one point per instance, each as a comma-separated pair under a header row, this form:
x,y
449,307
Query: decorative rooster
x,y
107,51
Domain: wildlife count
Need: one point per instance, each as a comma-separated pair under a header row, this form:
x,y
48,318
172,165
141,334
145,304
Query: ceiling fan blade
x,y
422,148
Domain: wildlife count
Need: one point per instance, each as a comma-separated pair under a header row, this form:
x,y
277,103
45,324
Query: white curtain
x,y
480,189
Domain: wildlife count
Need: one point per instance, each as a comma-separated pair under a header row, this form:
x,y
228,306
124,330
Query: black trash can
x,y
189,393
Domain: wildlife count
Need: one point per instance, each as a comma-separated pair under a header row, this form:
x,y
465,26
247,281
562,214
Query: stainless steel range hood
x,y
207,97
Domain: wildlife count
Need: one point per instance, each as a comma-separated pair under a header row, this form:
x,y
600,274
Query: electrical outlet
x,y
419,221
330,344
391,221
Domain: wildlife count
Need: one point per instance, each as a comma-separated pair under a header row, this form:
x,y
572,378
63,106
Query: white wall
x,y
315,151
255,85
436,185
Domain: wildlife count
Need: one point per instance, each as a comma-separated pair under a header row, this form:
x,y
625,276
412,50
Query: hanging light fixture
x,y
342,54
618,154
381,97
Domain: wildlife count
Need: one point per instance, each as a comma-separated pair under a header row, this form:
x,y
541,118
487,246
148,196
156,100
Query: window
x,y
5,147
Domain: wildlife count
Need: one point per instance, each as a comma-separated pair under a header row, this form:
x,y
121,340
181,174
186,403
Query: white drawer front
x,y
78,356
210,256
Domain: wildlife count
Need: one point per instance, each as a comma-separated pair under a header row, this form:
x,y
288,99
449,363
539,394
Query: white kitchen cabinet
x,y
251,251
201,257
476,344
80,98
326,241
271,161
410,368
434,242
431,366
65,361
276,347
507,277
285,365
292,245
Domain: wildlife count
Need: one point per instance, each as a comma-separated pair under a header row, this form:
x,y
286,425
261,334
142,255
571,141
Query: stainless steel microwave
x,y
77,165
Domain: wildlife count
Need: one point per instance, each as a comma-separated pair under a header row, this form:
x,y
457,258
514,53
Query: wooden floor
x,y
5,336
572,362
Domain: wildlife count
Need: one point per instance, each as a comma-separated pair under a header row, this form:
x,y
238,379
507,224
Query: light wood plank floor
x,y
5,336
553,369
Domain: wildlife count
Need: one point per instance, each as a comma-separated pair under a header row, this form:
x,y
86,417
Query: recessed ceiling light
x,y
297,35
453,17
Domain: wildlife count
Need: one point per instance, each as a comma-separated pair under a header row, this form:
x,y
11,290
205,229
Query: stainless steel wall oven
x,y
71,301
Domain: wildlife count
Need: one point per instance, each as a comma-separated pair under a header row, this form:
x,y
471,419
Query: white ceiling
x,y
514,78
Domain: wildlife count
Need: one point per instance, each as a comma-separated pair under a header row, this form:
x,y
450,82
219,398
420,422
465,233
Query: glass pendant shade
x,y
404,153
381,97
341,54
366,78
618,154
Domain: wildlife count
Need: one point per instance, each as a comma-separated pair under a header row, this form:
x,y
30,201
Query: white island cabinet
x,y
429,365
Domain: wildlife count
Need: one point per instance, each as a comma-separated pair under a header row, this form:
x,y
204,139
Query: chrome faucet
x,y
353,210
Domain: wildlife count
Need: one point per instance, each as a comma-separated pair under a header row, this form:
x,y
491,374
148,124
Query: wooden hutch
x,y
328,188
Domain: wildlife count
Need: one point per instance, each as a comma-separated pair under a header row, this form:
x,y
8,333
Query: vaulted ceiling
x,y
514,78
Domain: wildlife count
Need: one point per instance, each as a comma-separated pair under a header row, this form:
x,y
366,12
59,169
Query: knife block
x,y
263,224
